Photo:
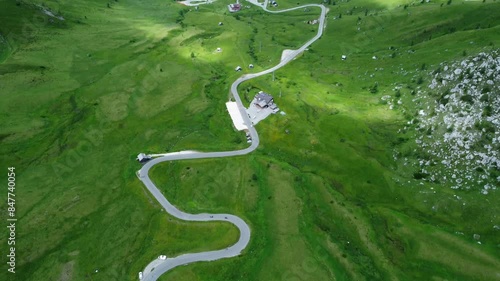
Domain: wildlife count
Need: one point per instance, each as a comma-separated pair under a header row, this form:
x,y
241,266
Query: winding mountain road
x,y
158,266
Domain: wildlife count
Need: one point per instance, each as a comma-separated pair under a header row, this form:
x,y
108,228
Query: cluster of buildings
x,y
234,7
263,100
239,68
261,107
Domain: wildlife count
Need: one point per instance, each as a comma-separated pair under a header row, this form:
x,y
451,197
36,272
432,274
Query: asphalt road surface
x,y
158,267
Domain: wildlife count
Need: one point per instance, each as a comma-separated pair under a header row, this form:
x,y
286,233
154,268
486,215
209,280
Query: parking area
x,y
258,114
235,114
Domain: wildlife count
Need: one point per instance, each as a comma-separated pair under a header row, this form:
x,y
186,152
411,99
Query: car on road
x,y
162,257
140,275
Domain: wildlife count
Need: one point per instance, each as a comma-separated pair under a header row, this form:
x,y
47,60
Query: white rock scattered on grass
x,y
462,123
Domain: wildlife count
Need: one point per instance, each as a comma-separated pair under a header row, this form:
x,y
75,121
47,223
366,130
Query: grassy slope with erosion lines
x,y
354,213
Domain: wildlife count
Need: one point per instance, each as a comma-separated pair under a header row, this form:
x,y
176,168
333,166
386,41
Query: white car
x,y
140,275
162,257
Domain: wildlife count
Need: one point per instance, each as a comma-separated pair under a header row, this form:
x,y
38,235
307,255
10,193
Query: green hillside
x,y
87,85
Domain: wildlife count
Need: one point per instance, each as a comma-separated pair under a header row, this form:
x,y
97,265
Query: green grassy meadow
x,y
325,201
